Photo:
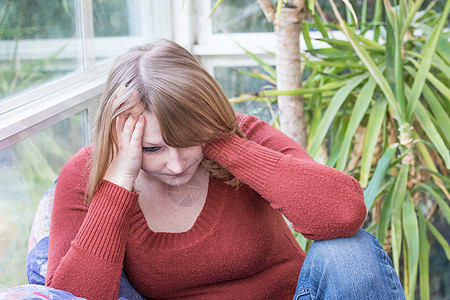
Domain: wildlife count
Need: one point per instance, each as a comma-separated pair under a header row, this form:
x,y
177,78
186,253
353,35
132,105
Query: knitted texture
x,y
239,247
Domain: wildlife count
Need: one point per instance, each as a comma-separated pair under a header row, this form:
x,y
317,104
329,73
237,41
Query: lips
x,y
177,175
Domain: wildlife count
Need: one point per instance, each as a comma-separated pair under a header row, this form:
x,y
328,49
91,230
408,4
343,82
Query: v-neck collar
x,y
206,221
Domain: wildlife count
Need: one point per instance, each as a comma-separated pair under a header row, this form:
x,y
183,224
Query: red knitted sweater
x,y
239,247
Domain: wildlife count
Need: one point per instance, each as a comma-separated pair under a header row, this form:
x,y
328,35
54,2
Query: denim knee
x,y
356,266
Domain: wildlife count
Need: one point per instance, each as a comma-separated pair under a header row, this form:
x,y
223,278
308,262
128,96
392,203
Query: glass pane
x,y
114,18
240,16
28,169
234,84
39,41
358,6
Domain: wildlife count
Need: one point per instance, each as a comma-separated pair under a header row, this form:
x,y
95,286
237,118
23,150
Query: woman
x,y
188,198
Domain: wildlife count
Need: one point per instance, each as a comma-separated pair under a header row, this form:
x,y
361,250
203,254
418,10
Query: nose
x,y
175,162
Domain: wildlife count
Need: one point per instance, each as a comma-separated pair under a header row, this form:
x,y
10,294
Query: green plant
x,y
23,20
28,169
377,107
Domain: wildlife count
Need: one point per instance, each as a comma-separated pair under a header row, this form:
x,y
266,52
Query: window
x,y
235,16
235,83
54,59
28,169
220,41
35,48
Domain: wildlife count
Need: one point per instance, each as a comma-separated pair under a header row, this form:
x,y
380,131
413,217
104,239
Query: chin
x,y
177,181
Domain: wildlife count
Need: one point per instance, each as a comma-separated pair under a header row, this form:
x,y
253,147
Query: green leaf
x,y
66,7
390,13
317,64
311,6
256,74
438,111
364,14
337,44
337,132
301,240
433,134
371,65
384,162
358,112
398,197
326,87
376,117
425,64
394,60
442,88
409,18
332,109
440,239
334,155
320,26
442,65
443,49
377,20
371,44
424,259
444,179
442,204
279,7
215,7
333,54
411,232
316,99
385,216
306,37
271,71
429,162
352,11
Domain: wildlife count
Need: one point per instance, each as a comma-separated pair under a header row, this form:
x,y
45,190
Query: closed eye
x,y
150,149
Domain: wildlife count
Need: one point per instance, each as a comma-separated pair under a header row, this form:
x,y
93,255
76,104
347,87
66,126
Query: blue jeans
x,y
345,268
350,268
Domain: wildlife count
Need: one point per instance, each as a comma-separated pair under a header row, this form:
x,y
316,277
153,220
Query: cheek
x,y
149,163
195,153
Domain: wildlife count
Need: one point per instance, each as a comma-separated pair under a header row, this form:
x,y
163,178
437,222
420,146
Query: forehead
x,y
152,131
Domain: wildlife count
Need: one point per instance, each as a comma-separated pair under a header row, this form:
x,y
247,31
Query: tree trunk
x,y
289,73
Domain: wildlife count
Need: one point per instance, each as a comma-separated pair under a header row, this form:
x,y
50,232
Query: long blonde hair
x,y
188,103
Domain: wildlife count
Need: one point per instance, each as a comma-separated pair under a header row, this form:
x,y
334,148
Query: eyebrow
x,y
154,143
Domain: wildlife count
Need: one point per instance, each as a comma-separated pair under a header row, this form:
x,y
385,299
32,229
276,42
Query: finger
x,y
138,132
138,109
128,129
131,102
120,121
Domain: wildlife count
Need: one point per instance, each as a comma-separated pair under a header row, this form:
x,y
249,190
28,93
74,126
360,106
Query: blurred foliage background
x,y
30,167
377,107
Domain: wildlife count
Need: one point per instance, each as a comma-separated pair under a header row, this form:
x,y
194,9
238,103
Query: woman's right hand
x,y
126,164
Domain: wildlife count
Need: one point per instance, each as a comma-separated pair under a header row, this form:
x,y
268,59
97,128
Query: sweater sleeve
x,y
320,201
87,244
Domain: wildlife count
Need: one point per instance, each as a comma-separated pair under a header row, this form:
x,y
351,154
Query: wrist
x,y
120,180
213,149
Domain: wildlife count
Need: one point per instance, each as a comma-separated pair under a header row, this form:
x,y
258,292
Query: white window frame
x,y
186,22
219,49
27,113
